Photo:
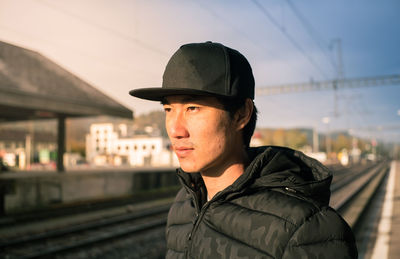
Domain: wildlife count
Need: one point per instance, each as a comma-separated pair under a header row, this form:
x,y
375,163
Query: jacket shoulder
x,y
324,234
280,203
279,224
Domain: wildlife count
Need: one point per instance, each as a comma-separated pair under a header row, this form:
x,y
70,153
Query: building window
x,y
144,147
119,147
127,147
135,147
153,147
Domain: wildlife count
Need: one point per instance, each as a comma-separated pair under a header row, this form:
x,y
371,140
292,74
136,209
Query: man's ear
x,y
243,115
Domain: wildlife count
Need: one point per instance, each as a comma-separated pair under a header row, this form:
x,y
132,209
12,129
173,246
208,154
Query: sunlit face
x,y
202,134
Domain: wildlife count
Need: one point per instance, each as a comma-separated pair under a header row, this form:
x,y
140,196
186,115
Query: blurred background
x,y
350,48
327,80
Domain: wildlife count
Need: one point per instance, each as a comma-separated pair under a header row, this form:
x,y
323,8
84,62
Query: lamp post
x,y
326,120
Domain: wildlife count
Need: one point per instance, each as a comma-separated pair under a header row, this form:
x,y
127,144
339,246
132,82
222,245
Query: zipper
x,y
197,211
198,216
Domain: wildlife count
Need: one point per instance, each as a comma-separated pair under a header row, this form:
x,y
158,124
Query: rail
x,y
351,196
83,235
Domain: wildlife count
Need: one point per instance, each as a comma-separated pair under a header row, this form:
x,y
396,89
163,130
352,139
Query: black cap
x,y
204,69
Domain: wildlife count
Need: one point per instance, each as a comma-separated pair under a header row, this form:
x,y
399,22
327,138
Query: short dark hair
x,y
232,106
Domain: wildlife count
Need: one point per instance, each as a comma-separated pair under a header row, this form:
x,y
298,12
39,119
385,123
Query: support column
x,y
315,142
60,143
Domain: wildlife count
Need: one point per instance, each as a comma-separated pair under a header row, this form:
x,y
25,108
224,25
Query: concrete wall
x,y
27,191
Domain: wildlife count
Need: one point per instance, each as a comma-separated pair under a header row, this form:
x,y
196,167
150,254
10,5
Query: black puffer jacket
x,y
277,209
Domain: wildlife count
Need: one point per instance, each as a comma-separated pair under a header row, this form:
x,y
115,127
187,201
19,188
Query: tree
x,y
342,142
295,139
278,137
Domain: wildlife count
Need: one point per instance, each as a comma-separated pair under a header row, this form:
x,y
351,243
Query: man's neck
x,y
218,181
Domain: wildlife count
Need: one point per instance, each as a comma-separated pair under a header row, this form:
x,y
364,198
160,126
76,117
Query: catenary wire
x,y
246,36
289,37
313,33
116,33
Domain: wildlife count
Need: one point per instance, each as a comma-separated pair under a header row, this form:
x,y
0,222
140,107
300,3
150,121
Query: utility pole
x,y
328,142
340,72
340,68
315,140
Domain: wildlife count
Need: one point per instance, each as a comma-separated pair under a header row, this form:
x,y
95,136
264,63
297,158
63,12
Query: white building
x,y
104,146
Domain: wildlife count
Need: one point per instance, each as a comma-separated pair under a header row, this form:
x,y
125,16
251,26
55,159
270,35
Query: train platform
x,y
386,244
24,192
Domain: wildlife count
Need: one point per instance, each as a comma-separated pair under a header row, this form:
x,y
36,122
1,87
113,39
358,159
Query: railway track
x,y
84,235
351,195
350,187
62,210
344,175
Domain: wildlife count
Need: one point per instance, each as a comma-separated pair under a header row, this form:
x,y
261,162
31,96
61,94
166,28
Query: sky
x,y
121,45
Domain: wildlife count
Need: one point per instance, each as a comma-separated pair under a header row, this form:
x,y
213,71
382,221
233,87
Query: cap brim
x,y
158,93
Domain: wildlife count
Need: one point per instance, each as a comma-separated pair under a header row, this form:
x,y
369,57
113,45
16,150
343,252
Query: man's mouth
x,y
182,152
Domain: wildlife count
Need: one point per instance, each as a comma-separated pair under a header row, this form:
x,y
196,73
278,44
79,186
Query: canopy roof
x,y
34,87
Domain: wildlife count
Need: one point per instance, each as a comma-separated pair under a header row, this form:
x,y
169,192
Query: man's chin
x,y
188,168
189,171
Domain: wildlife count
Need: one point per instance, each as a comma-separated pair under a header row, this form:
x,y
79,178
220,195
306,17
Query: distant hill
x,y
294,138
155,119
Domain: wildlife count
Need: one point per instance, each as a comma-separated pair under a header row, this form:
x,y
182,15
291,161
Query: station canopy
x,y
33,87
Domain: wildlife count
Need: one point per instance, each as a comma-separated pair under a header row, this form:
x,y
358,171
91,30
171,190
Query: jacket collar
x,y
276,167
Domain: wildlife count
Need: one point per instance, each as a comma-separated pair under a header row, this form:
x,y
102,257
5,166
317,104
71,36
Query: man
x,y
236,201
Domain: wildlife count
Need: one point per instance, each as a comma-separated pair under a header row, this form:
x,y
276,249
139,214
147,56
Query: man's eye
x,y
166,109
192,108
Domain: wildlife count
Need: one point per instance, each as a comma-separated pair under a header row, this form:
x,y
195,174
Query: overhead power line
x,y
107,29
258,44
313,33
234,28
115,65
289,37
330,85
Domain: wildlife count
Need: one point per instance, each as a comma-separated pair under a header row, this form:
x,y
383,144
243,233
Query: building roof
x,y
34,87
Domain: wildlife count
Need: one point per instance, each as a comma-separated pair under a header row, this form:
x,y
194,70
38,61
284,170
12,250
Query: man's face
x,y
202,134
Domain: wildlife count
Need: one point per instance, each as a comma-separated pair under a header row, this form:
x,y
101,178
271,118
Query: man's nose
x,y
176,126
